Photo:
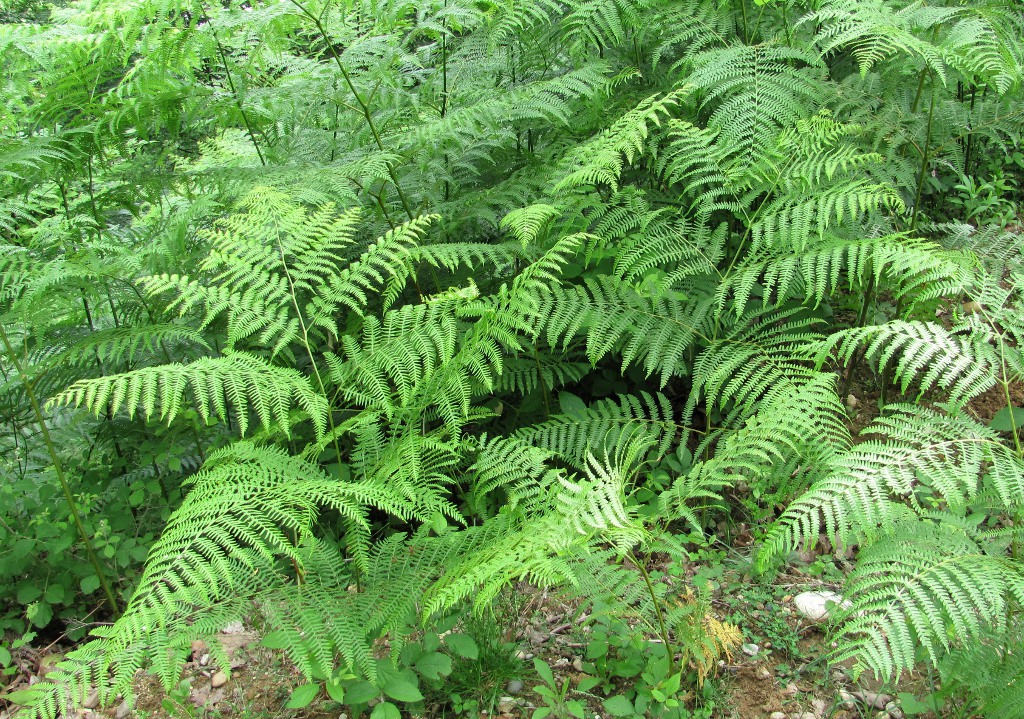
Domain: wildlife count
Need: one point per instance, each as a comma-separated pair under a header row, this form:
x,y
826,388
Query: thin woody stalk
x,y
59,469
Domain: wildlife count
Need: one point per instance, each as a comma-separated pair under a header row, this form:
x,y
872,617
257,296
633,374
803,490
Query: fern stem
x,y
58,467
359,100
238,100
662,630
543,384
924,161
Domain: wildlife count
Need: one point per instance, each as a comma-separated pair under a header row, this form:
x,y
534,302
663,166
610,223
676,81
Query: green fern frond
x,y
920,587
243,382
918,351
929,456
604,427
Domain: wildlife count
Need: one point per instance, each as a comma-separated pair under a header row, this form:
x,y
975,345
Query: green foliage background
x,y
424,299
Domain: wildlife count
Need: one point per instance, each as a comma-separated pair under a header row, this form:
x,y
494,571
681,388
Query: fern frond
x,y
240,381
918,351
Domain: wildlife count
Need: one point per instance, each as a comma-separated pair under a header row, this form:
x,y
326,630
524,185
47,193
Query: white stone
x,y
777,715
219,679
751,650
814,606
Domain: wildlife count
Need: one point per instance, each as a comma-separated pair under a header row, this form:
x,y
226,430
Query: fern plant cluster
x,y
354,314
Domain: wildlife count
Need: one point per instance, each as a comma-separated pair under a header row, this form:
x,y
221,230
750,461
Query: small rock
x,y
577,664
751,650
506,705
848,700
343,715
814,606
561,662
233,628
123,710
514,687
219,679
204,660
818,705
873,700
972,307
777,715
522,655
852,402
763,673
92,701
894,711
808,715
792,689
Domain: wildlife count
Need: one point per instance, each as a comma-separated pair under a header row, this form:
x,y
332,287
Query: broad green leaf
x,y
302,696
335,690
571,405
275,640
434,665
90,584
28,593
40,614
462,645
1001,421
402,687
544,671
21,697
618,706
385,710
360,692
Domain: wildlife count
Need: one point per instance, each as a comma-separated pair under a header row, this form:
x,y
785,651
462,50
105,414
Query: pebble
x,y
792,688
577,664
873,700
818,705
848,700
814,606
808,715
204,660
123,710
219,679
777,715
92,701
514,687
233,628
894,711
763,673
751,650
